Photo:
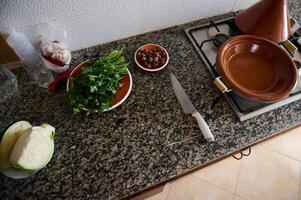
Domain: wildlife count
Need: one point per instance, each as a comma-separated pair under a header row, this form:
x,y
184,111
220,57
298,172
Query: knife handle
x,y
203,126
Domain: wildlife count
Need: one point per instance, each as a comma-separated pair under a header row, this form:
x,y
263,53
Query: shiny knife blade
x,y
181,95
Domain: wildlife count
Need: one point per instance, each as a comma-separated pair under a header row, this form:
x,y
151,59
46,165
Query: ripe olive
x,y
152,59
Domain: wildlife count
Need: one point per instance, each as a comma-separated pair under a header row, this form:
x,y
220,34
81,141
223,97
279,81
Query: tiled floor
x,y
271,172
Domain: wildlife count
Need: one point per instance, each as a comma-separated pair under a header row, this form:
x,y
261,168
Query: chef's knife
x,y
188,108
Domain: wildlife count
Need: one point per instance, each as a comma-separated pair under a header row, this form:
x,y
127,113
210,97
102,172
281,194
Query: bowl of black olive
x,y
151,57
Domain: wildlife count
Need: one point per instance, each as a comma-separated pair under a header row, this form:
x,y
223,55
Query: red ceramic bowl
x,y
121,94
151,47
257,68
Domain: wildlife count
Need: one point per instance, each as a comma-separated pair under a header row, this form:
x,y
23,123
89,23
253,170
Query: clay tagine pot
x,y
257,68
268,19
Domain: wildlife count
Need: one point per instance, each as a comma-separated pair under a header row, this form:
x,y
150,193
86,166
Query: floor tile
x,y
223,174
287,144
300,185
268,175
192,188
239,198
159,193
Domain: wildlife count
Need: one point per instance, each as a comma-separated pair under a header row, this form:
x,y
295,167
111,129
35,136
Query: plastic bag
x,y
50,31
50,41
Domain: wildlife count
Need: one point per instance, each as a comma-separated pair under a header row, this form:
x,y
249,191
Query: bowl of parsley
x,y
99,84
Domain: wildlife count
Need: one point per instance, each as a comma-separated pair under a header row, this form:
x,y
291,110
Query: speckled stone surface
x,y
118,153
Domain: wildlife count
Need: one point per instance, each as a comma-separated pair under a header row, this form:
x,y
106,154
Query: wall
x,y
91,22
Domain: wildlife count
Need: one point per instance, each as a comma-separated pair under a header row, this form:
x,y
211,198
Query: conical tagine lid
x,y
267,18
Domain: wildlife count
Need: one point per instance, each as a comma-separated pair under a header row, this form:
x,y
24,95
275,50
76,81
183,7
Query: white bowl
x,y
55,68
150,46
15,174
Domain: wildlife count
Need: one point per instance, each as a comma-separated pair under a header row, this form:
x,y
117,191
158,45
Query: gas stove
x,y
207,38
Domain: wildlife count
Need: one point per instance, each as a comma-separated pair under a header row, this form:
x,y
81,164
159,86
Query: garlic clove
x,y
50,49
60,57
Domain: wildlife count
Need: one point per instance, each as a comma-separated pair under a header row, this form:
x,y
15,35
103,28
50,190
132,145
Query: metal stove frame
x,y
241,115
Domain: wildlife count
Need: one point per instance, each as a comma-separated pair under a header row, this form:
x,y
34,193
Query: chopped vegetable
x,y
95,86
8,141
33,149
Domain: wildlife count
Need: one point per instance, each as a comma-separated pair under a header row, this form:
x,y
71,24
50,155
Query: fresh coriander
x,y
95,86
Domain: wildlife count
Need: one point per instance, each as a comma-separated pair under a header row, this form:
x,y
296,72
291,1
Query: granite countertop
x,y
121,152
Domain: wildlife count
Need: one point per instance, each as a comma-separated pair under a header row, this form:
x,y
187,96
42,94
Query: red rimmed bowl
x,y
121,94
151,47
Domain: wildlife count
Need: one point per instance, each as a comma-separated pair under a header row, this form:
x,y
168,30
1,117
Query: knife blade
x,y
188,107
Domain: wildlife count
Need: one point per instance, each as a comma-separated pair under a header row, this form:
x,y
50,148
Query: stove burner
x,y
298,64
219,39
298,32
